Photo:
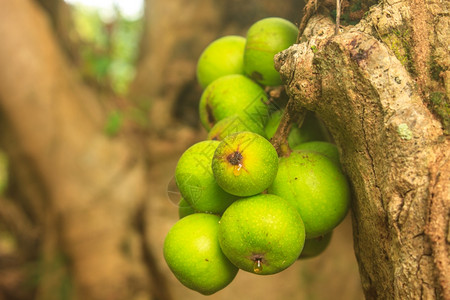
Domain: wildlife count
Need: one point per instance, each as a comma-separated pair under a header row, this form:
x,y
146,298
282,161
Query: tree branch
x,y
387,139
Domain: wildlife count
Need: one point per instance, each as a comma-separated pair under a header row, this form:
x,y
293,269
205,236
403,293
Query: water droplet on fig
x,y
237,170
257,266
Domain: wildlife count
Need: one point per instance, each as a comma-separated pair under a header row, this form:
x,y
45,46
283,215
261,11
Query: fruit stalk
x,y
292,114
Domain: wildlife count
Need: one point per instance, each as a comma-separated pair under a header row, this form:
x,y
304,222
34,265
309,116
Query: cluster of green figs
x,y
243,206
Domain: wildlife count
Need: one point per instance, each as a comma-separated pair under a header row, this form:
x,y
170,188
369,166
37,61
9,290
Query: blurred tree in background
x,y
107,51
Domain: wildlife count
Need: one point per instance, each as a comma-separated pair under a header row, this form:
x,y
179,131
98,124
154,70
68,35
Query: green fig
x,y
244,164
193,254
223,56
266,38
315,246
312,129
184,209
262,234
272,123
316,187
233,95
196,182
328,149
234,124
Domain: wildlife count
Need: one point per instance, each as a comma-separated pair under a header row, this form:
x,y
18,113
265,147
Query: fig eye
x,y
235,158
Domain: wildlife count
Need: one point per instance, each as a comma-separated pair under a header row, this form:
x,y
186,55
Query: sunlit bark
x,y
393,148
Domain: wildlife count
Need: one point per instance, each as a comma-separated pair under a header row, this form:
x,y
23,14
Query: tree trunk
x,y
80,188
371,84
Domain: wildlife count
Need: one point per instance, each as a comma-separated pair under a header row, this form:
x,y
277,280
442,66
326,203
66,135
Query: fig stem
x,y
292,114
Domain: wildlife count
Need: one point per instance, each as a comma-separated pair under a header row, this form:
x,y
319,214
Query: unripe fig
x,y
262,234
184,209
193,254
316,187
245,164
234,124
315,246
223,56
196,182
233,95
266,38
325,148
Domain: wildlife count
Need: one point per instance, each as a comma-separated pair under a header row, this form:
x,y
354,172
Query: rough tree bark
x,y
392,147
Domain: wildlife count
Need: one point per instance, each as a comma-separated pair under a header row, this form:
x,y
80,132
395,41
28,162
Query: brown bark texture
x,y
372,93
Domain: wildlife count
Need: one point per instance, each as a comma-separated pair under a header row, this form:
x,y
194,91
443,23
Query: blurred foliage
x,y
108,47
114,122
3,172
55,268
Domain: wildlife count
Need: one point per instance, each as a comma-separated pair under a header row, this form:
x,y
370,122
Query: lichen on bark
x,y
389,141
